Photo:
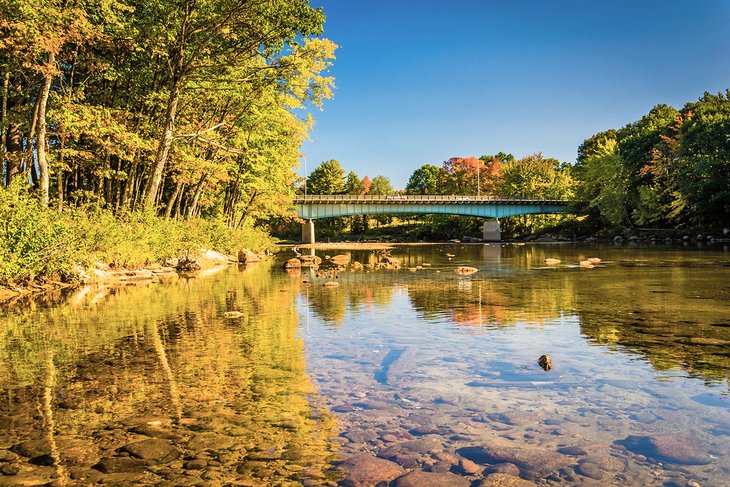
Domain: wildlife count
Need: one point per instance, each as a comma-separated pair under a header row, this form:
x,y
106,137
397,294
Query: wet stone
x,y
154,451
35,477
533,463
196,464
32,448
119,464
424,445
367,471
505,468
154,431
469,467
209,441
589,469
680,449
7,456
430,479
504,480
440,467
572,450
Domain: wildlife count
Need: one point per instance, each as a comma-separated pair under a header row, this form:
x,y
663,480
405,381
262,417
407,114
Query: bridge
x,y
315,206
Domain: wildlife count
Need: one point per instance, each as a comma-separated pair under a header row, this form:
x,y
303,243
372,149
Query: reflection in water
x,y
212,380
455,360
152,383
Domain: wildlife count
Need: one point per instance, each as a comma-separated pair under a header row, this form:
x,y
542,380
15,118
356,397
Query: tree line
x,y
670,169
184,108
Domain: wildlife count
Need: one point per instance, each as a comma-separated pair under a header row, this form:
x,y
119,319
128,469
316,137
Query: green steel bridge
x,y
315,206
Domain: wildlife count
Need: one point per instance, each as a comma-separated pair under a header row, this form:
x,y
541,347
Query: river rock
x,y
465,270
119,464
589,469
680,449
293,264
575,451
533,463
550,261
423,445
367,471
420,478
504,480
209,441
377,405
37,476
32,448
245,256
515,418
330,284
469,467
506,468
154,451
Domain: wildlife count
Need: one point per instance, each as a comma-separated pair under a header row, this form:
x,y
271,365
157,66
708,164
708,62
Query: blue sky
x,y
419,81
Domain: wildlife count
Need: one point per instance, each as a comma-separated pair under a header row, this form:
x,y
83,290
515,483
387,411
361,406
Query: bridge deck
x,y
420,199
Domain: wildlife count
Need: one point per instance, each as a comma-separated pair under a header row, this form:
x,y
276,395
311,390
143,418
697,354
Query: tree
x,y
327,178
381,186
424,180
459,175
353,184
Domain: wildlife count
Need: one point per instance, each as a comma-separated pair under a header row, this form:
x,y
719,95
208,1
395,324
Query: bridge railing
x,y
409,198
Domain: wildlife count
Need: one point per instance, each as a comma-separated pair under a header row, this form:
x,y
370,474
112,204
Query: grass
x,y
40,244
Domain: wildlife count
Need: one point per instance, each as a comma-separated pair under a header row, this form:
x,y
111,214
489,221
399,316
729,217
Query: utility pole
x,y
479,186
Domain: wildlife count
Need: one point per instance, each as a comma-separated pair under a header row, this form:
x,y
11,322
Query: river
x,y
257,376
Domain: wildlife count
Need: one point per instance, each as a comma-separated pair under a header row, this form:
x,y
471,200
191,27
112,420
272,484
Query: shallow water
x,y
301,376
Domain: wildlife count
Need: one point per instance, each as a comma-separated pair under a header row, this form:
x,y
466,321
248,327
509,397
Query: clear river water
x,y
259,376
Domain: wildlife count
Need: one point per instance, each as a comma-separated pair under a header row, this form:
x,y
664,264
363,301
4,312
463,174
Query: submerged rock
x,y
504,480
367,471
533,463
680,449
154,451
293,264
552,261
420,478
466,270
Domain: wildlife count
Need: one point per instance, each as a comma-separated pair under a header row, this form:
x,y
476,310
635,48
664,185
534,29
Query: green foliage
x,y
33,242
327,178
424,180
381,186
670,168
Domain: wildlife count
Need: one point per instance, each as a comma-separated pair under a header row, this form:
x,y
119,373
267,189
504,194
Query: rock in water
x,y
245,256
533,463
293,264
552,261
154,451
394,364
545,362
431,479
504,480
671,448
367,471
466,270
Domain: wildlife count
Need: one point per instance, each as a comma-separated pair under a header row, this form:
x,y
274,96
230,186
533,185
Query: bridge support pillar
x,y
491,231
308,232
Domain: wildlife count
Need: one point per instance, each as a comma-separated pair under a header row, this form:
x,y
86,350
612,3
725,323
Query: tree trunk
x,y
196,199
153,183
4,128
41,145
173,199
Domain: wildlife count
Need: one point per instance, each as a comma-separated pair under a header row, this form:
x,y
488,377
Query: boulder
x,y
552,261
533,463
466,270
681,449
293,264
245,256
367,471
504,480
420,478
310,260
330,284
154,451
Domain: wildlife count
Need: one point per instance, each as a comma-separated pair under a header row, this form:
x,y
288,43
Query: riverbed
x,y
258,376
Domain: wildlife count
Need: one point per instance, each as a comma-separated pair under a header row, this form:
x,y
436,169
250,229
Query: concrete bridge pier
x,y
308,232
491,231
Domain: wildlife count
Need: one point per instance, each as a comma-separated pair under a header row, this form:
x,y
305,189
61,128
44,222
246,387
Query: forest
x,y
148,115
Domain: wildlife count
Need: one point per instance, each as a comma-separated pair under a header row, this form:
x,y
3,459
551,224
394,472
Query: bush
x,y
39,243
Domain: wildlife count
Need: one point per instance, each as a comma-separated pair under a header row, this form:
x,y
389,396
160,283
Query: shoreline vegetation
x,y
137,135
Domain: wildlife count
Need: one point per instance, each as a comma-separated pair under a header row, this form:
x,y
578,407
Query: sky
x,y
420,81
